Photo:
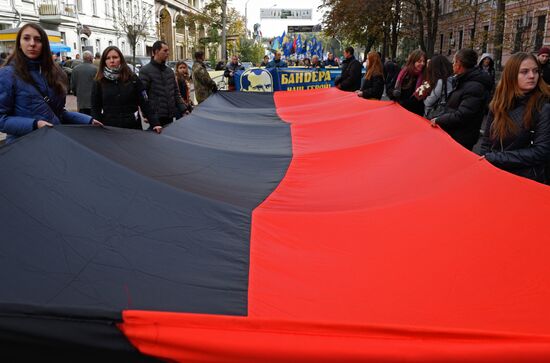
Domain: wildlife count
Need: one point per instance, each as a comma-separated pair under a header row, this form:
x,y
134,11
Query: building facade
x,y
96,24
183,38
471,24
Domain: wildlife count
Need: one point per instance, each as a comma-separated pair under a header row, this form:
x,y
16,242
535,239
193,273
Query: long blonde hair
x,y
506,93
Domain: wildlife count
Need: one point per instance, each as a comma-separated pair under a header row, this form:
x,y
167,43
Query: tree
x,y
499,33
250,51
427,14
368,23
133,23
212,16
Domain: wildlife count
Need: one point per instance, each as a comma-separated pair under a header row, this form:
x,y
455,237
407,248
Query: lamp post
x,y
224,32
246,17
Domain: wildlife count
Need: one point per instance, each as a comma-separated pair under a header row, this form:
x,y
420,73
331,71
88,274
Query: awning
x,y
59,47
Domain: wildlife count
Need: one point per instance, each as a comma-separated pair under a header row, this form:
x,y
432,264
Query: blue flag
x,y
299,45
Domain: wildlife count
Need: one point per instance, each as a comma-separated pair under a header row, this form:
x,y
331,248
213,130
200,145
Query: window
x,y
441,43
94,7
460,39
79,5
98,45
451,42
485,38
519,36
107,9
541,27
472,37
110,43
63,38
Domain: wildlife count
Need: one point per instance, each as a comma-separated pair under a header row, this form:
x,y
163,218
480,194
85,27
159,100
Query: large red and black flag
x,y
302,226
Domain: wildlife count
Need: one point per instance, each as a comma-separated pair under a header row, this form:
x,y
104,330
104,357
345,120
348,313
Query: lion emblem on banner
x,y
256,80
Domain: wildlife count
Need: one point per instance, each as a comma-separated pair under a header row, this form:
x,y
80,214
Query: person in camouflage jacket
x,y
204,85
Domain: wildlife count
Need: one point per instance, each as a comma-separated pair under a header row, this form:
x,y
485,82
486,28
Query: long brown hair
x,y
54,75
125,71
414,56
375,66
179,76
505,96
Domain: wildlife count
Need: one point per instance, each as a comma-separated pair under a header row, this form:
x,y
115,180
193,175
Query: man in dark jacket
x,y
331,62
230,69
467,101
350,79
543,56
82,81
160,84
277,62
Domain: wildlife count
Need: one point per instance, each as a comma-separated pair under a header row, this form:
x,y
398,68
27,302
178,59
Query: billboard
x,y
273,13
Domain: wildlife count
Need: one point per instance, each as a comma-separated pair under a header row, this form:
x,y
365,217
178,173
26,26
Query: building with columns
x,y
182,37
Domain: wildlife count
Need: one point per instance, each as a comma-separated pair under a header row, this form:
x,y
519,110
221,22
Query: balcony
x,y
56,12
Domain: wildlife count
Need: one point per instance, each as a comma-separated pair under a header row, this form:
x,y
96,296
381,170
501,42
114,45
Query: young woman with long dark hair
x,y
183,78
373,86
438,72
33,89
117,93
409,79
517,136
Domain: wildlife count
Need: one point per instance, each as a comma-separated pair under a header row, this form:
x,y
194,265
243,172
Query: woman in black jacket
x,y
373,86
517,138
117,93
410,78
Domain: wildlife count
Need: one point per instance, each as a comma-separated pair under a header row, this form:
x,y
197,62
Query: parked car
x,y
140,62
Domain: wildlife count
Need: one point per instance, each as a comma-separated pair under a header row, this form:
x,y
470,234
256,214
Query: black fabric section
x,y
30,334
115,219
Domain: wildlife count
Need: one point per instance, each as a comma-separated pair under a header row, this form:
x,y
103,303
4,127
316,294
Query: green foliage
x,y
250,51
211,16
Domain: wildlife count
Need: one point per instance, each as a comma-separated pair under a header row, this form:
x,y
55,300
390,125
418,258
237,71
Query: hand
x,y
96,123
433,122
145,120
157,129
41,123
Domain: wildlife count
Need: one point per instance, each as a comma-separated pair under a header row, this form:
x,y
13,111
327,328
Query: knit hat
x,y
544,50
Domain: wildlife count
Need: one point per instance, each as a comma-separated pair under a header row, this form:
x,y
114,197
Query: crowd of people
x,y
457,96
34,88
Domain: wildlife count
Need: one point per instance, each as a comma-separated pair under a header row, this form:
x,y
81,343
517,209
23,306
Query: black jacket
x,y
406,96
545,72
160,83
528,152
350,80
115,103
465,107
373,88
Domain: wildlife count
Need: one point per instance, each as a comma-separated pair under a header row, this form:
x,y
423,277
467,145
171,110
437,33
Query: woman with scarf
x,y
117,93
410,78
517,135
33,88
182,78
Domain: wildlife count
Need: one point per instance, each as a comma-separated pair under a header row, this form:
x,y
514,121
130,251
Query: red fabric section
x,y
386,241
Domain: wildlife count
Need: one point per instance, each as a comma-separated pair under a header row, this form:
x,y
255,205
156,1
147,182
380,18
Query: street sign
x,y
300,29
273,13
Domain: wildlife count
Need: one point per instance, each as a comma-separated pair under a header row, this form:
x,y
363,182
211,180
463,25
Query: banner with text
x,y
285,79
